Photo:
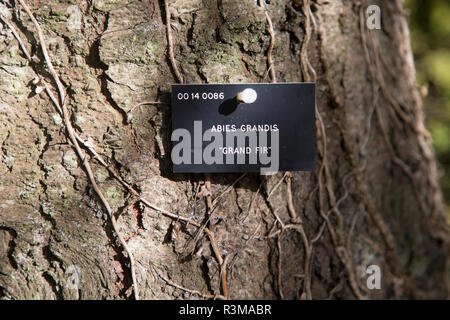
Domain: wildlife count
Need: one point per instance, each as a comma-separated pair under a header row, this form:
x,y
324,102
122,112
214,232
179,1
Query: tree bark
x,y
373,200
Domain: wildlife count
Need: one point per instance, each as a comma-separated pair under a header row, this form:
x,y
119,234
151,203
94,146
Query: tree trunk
x,y
373,200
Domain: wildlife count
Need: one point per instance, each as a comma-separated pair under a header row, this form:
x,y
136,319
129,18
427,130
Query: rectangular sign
x,y
264,127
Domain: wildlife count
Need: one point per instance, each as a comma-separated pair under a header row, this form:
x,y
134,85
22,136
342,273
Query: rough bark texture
x,y
372,200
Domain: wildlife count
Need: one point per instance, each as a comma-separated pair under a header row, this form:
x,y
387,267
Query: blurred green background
x,y
430,36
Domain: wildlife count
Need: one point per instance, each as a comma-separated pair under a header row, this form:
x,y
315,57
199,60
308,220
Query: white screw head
x,y
247,96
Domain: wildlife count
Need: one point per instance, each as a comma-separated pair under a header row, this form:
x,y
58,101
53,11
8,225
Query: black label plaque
x,y
266,127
